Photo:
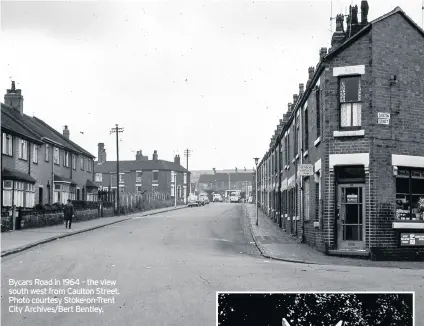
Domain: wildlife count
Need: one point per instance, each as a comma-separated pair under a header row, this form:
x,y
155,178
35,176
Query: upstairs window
x,y
35,154
74,162
138,176
46,155
56,155
121,177
7,144
99,177
350,102
318,111
88,165
66,159
23,149
306,131
82,162
155,176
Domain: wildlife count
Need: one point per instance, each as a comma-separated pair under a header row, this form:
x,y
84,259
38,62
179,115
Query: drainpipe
x,y
52,186
302,217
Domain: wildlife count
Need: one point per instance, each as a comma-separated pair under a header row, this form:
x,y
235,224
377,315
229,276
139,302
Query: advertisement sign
x,y
305,169
412,239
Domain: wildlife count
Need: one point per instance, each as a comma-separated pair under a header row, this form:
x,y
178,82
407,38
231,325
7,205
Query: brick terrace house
x,y
359,128
39,164
142,174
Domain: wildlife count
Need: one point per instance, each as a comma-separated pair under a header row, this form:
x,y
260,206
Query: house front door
x,y
40,195
350,216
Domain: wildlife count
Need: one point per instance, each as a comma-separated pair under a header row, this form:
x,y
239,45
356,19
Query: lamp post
x,y
256,188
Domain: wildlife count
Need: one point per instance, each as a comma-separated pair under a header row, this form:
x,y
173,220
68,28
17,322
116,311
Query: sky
x,y
211,76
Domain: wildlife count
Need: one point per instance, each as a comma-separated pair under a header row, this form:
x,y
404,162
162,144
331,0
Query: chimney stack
x,y
364,13
295,98
322,53
155,155
177,159
352,21
339,35
289,108
101,156
311,71
14,99
139,156
301,89
66,132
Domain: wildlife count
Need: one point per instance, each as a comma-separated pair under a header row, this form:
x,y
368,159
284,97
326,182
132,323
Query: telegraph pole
x,y
117,130
187,153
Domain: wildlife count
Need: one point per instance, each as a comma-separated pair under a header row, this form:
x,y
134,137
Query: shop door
x,y
350,216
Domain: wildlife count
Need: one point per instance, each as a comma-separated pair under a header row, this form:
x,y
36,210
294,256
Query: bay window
x,y
350,102
29,195
410,194
7,193
19,194
7,144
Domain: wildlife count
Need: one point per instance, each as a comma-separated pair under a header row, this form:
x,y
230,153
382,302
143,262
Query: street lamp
x,y
256,188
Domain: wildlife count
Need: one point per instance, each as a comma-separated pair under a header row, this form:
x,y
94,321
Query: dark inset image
x,y
316,309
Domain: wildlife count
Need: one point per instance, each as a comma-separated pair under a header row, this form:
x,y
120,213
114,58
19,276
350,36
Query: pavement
x,y
275,243
16,241
166,269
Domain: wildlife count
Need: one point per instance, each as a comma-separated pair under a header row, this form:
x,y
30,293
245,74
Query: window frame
x,y
410,191
89,165
318,110
121,178
82,163
7,144
306,130
66,159
153,176
23,149
74,162
56,160
359,101
35,153
46,153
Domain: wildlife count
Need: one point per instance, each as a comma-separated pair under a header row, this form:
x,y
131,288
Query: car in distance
x,y
193,201
204,198
217,198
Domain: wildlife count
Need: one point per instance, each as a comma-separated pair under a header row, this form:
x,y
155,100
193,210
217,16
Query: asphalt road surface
x,y
167,270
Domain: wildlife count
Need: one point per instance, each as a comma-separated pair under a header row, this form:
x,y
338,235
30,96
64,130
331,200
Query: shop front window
x,y
410,194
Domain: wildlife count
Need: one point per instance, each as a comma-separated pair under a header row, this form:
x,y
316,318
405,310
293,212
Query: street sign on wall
x,y
383,118
305,169
412,239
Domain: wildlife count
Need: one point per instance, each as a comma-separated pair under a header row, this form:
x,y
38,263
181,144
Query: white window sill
x,y
408,225
306,153
349,133
316,142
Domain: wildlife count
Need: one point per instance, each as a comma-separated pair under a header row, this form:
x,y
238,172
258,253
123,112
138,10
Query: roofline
x,y
39,141
321,66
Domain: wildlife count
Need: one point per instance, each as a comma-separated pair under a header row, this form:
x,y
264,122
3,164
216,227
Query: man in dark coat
x,y
68,213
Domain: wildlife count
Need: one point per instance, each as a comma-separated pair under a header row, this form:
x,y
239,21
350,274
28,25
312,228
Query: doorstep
x,y
349,252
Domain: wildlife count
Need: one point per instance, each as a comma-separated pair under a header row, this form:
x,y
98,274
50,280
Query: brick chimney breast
x,y
301,89
364,13
101,155
322,53
155,155
66,132
14,98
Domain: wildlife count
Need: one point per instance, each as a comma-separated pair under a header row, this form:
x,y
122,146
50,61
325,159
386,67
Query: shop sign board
x,y
412,239
383,118
305,169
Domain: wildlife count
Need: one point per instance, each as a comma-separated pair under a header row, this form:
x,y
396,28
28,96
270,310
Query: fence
x,y
46,215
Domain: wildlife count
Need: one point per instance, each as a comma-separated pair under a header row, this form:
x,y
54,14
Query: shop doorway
x,y
350,216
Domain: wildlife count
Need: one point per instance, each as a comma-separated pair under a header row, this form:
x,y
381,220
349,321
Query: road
x,y
168,268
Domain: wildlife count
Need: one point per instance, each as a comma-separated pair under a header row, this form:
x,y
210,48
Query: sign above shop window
x,y
383,118
412,239
305,169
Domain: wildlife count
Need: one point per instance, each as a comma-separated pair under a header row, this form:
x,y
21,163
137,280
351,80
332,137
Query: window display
x,y
410,194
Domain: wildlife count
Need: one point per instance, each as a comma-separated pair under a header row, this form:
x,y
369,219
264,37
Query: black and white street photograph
x,y
314,309
156,153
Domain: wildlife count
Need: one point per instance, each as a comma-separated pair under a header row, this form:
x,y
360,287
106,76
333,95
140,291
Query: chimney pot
x,y
14,98
289,107
301,89
311,71
322,53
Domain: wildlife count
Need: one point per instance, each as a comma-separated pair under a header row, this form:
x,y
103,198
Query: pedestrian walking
x,y
68,213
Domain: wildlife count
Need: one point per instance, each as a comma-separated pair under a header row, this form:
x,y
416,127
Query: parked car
x,y
204,198
201,201
217,198
193,201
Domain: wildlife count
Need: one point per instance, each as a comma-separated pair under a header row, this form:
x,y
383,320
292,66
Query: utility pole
x,y
187,153
117,130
